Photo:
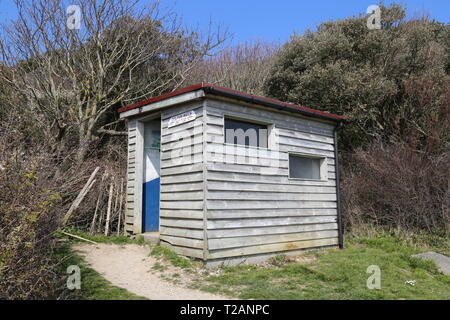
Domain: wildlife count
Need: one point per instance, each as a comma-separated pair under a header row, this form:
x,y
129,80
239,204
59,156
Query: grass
x,y
93,285
170,256
339,274
317,274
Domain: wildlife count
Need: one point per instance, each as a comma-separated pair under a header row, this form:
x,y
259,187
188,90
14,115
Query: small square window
x,y
303,167
245,133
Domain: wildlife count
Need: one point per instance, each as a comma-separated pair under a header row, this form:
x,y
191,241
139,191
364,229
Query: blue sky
x,y
273,20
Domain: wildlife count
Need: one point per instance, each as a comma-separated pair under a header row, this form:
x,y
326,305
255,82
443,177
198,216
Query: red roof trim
x,y
233,92
161,97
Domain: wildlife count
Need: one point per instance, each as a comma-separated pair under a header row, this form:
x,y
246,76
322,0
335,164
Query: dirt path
x,y
129,266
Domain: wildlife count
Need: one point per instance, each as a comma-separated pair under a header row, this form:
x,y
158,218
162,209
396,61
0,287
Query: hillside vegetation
x,y
60,89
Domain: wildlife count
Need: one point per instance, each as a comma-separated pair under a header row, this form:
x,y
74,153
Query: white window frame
x,y
271,144
323,167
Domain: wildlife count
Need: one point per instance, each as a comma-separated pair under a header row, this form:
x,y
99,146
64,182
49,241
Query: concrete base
x,y
442,262
151,237
254,259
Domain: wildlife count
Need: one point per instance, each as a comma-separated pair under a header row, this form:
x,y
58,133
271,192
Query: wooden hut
x,y
226,176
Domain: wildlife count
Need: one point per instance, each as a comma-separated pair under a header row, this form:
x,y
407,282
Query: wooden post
x,y
91,230
120,206
81,196
108,214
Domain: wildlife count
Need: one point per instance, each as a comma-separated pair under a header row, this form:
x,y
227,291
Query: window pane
x,y
245,133
304,167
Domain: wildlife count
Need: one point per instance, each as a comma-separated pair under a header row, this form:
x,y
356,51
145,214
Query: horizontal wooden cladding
x,y
184,251
268,222
181,223
181,232
182,178
251,152
196,106
288,133
266,187
242,232
176,133
248,169
290,121
236,242
261,174
294,142
194,204
184,195
246,160
306,151
187,159
198,119
268,204
268,248
182,142
221,172
268,213
181,213
182,187
181,241
184,152
276,196
182,169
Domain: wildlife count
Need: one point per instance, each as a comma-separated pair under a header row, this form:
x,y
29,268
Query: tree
x,y
386,81
244,67
71,78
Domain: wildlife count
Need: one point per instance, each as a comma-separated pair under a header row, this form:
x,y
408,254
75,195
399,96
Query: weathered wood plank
x,y
181,213
180,232
270,204
241,232
180,187
179,129
291,121
185,151
182,160
279,196
175,135
182,223
225,243
196,106
238,150
182,178
268,222
189,168
268,213
307,151
247,169
185,195
191,205
267,248
182,142
295,142
227,173
303,135
184,242
267,187
188,252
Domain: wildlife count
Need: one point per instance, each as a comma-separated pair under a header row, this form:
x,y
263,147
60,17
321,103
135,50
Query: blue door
x,y
150,189
151,205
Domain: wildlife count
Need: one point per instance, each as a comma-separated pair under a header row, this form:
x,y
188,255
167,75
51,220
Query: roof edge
x,y
213,89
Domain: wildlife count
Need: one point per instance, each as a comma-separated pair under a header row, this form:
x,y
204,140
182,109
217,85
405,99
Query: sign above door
x,y
182,118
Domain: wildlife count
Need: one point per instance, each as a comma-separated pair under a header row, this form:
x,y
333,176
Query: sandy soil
x,y
130,266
